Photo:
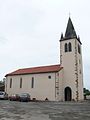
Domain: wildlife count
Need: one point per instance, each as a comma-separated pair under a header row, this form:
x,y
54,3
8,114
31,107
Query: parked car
x,y
3,95
24,97
14,97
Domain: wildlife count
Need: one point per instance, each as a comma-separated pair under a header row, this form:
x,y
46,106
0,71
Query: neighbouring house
x,y
62,82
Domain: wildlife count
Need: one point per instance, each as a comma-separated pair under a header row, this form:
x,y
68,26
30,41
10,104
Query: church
x,y
60,82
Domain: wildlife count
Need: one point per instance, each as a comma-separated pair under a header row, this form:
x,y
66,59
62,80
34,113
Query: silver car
x,y
3,95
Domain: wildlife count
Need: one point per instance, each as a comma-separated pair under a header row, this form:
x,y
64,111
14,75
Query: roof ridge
x,y
41,66
36,70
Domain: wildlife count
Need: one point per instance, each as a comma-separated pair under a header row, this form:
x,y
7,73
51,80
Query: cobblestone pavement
x,y
11,110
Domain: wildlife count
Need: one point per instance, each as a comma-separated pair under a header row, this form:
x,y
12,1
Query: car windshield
x,y
1,93
24,95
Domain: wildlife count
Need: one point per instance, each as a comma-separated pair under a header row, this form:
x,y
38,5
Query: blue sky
x,y
30,31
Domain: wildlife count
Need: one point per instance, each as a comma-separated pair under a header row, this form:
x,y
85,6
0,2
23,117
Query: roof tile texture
x,y
36,70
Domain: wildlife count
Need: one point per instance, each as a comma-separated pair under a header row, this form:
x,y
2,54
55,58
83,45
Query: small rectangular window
x,y
20,82
32,82
10,82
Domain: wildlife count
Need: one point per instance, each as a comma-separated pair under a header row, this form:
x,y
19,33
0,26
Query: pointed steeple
x,y
70,31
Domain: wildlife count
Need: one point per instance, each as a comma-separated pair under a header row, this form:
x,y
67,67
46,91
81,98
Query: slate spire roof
x,y
70,31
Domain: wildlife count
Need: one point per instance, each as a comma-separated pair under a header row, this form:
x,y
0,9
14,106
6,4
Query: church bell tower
x,y
71,61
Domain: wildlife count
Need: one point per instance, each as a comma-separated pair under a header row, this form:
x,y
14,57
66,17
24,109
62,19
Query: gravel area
x,y
12,110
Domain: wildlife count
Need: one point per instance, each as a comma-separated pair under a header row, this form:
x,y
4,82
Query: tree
x,y
86,91
2,85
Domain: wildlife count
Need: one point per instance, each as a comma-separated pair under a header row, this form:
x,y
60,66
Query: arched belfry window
x,y
69,47
66,47
79,49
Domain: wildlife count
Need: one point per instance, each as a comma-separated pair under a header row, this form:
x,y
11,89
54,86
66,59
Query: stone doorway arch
x,y
68,94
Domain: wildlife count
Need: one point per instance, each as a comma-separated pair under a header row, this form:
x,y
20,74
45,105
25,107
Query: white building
x,y
63,82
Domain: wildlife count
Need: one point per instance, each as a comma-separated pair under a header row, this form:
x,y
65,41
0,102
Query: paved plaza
x,y
12,110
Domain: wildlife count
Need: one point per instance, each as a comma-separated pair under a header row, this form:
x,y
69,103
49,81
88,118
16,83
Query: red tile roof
x,y
36,70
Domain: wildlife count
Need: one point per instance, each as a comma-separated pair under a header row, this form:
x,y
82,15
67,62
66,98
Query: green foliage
x,y
2,82
86,91
2,85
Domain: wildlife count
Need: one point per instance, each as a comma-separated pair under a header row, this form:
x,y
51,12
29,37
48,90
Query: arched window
x,y
79,49
69,47
66,47
10,82
32,82
20,82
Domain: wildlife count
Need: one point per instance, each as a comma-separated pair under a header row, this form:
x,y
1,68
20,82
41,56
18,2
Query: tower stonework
x,y
71,60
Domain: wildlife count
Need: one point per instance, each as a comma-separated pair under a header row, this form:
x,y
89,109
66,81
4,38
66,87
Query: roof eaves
x,y
13,73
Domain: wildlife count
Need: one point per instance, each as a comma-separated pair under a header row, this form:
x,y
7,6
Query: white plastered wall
x,y
43,86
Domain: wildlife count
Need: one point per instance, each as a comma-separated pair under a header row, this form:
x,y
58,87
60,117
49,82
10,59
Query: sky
x,y
30,31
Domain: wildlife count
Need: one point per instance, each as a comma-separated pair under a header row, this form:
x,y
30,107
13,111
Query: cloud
x,y
3,40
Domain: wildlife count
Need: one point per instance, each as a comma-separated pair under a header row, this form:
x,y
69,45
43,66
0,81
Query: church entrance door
x,y
68,94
